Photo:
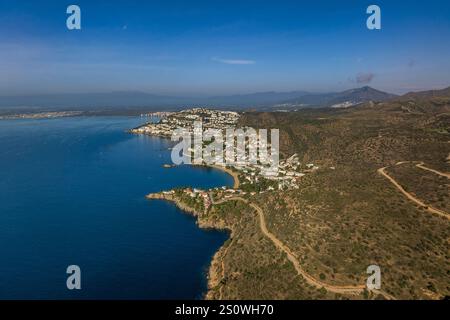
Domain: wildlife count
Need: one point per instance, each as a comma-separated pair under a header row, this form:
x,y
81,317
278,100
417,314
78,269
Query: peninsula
x,y
314,237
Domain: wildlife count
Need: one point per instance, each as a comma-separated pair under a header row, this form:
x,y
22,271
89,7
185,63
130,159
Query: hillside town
x,y
254,177
165,123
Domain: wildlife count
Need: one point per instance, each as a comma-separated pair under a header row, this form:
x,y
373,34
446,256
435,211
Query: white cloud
x,y
234,61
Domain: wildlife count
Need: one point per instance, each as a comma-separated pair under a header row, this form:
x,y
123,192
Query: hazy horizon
x,y
212,95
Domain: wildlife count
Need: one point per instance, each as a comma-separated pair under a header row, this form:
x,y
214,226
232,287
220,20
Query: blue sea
x,y
72,192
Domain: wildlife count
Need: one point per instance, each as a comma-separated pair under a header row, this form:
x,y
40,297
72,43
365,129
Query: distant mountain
x,y
342,99
360,95
427,94
88,100
255,99
142,100
424,102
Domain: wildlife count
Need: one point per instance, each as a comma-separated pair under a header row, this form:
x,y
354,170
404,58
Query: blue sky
x,y
222,47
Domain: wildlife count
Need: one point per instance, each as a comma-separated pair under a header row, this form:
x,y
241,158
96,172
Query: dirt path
x,y
291,257
443,174
444,214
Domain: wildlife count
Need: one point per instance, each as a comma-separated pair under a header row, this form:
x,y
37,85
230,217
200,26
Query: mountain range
x,y
342,99
263,100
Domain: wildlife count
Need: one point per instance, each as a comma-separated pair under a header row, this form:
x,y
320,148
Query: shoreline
x,y
233,174
213,277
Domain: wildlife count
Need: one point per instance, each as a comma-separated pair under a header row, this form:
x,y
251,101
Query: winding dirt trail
x,y
291,256
443,174
441,213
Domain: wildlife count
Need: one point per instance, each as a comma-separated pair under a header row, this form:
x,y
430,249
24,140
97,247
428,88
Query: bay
x,y
72,191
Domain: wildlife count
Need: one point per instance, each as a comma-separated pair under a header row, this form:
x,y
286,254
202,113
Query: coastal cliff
x,y
215,272
170,197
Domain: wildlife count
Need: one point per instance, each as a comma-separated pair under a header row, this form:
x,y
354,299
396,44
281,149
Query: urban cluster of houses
x,y
286,175
288,178
168,122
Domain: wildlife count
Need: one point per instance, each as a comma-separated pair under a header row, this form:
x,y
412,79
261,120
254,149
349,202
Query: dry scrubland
x,y
431,188
346,216
342,220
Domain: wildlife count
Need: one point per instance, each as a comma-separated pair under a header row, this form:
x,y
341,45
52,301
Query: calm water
x,y
72,192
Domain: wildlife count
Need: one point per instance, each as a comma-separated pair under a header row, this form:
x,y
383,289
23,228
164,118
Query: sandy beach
x,y
229,171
